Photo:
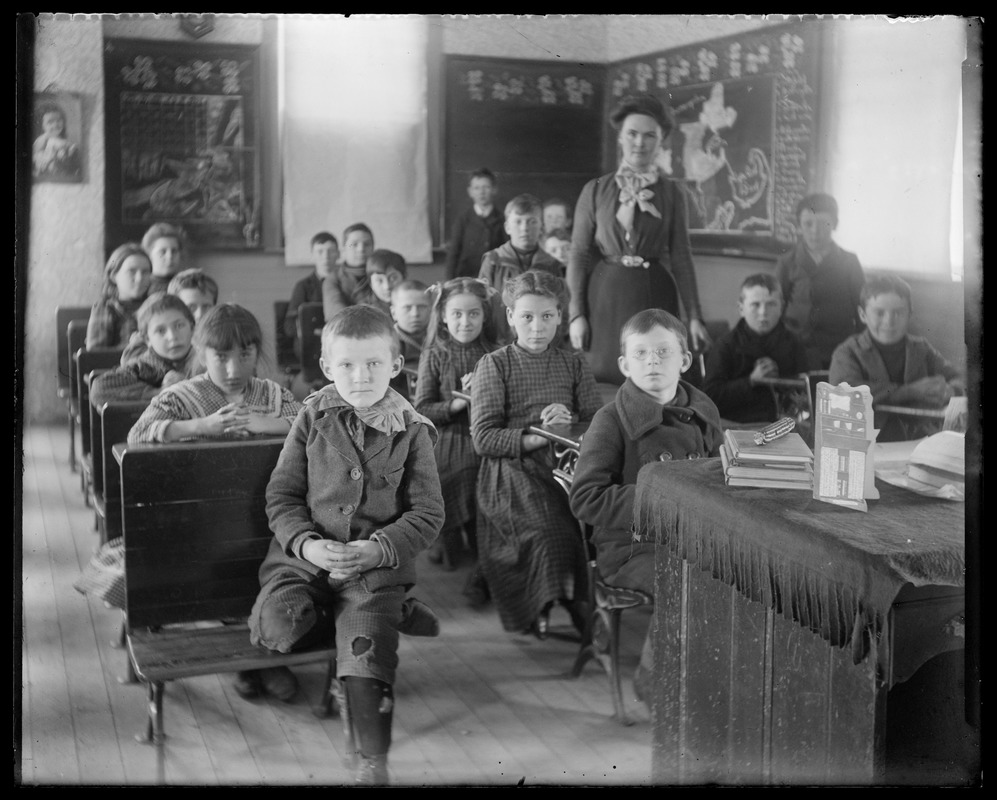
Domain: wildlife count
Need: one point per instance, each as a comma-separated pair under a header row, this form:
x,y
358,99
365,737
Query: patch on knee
x,y
362,645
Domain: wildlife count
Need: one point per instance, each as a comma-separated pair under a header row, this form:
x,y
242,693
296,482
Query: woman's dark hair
x,y
226,327
437,330
649,106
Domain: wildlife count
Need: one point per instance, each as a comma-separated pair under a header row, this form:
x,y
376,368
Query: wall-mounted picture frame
x,y
57,138
182,141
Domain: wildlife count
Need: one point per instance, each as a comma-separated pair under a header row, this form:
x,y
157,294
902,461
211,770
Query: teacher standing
x,y
630,244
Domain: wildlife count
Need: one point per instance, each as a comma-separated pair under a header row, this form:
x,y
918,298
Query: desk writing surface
x,y
828,568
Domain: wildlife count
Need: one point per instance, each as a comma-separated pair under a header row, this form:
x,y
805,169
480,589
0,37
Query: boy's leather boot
x,y
372,771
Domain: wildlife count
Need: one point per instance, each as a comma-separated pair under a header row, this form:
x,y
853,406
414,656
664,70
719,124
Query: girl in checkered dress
x,y
528,542
126,285
461,331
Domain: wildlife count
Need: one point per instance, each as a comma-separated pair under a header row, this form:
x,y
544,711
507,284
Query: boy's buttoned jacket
x,y
856,361
325,487
626,434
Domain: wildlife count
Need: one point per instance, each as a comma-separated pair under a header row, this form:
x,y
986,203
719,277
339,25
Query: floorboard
x,y
475,706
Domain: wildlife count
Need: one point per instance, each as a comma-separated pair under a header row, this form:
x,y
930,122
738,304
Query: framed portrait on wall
x,y
57,138
182,141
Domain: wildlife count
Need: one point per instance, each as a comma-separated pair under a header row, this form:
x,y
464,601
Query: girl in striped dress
x,y
460,332
528,542
228,401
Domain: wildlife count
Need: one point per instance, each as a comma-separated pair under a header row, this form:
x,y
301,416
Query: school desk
x,y
781,622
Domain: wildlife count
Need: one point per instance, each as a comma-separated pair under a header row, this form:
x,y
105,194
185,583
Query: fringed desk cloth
x,y
781,621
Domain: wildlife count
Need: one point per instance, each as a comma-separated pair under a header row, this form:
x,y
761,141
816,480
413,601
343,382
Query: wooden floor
x,y
475,706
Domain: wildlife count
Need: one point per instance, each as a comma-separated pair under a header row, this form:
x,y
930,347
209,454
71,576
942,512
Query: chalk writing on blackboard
x,y
509,86
744,136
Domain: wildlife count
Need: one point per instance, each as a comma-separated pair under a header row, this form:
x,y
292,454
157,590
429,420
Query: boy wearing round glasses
x,y
656,416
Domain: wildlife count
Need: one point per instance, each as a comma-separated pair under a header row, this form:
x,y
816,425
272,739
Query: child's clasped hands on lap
x,y
343,560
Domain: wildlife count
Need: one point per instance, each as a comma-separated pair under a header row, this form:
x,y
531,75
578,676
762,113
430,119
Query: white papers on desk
x,y
945,450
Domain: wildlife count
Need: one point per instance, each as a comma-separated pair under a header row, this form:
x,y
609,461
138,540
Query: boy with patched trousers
x,y
354,498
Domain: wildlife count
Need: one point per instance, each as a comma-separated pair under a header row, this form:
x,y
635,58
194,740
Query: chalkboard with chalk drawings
x,y
743,146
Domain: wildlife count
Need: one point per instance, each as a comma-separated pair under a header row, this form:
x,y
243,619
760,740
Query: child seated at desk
x,y
228,401
410,311
165,356
126,285
460,334
325,254
385,270
898,367
347,283
656,416
355,496
558,244
523,224
528,544
759,347
197,290
166,246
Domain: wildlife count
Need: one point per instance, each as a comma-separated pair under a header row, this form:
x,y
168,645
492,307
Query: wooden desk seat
x,y
71,335
109,425
195,533
285,347
606,603
311,320
87,362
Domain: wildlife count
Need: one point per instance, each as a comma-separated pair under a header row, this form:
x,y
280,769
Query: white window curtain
x,y
891,117
355,131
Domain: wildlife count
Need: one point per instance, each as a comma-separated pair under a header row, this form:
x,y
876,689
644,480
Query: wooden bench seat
x,y
195,533
109,425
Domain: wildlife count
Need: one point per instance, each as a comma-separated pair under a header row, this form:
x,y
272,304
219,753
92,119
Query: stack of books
x,y
784,463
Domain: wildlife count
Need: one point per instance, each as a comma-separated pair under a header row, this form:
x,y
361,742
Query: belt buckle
x,y
633,261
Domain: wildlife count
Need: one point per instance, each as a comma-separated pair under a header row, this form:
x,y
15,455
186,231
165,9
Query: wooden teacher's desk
x,y
781,622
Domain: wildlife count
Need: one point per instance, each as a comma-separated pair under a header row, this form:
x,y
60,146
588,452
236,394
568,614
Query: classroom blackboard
x,y
743,147
181,124
536,124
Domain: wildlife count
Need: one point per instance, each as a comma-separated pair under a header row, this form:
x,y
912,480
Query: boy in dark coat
x,y
760,346
477,229
655,417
